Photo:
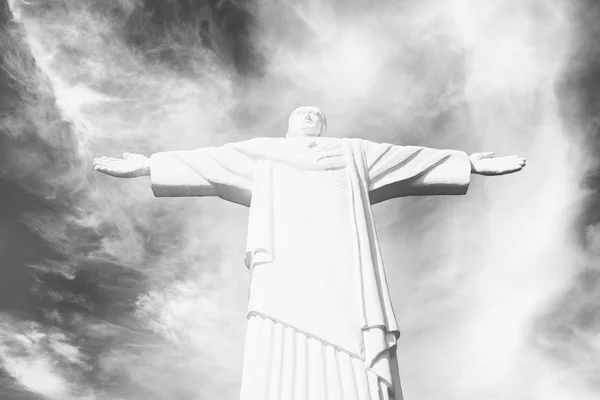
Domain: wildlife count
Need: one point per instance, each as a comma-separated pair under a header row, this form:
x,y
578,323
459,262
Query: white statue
x,y
320,319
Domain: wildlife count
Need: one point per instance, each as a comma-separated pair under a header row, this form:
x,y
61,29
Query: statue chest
x,y
312,154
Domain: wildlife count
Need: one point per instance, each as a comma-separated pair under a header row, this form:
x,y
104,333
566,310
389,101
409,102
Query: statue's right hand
x,y
130,166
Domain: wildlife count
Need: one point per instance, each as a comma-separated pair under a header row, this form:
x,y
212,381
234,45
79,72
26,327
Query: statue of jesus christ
x,y
320,318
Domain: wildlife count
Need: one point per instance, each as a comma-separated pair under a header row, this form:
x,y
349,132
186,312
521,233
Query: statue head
x,y
307,121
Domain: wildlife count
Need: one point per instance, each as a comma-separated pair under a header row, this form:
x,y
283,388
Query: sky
x,y
109,293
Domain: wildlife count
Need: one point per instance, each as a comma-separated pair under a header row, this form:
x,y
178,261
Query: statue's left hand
x,y
486,164
130,166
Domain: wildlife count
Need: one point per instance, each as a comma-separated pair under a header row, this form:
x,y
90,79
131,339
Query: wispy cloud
x,y
41,359
132,297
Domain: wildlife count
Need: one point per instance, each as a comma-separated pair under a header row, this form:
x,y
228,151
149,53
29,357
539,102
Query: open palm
x,y
486,164
130,166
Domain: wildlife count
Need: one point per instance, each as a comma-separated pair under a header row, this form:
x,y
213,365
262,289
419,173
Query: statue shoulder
x,y
263,141
355,143
257,143
259,148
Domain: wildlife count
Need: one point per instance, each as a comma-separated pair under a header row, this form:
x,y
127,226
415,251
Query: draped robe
x,y
321,323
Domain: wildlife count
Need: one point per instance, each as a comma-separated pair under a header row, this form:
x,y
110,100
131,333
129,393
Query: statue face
x,y
307,121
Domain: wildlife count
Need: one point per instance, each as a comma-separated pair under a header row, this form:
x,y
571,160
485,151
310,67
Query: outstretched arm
x,y
223,171
396,171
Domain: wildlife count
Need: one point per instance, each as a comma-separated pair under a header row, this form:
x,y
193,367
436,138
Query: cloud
x,y
136,297
42,360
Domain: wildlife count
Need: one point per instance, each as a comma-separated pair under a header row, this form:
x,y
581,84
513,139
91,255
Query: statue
x,y
320,318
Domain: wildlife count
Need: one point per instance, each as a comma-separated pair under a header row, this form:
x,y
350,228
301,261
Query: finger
x,y
114,161
110,166
106,159
106,164
487,154
104,170
507,158
104,167
511,170
511,166
112,158
517,159
111,171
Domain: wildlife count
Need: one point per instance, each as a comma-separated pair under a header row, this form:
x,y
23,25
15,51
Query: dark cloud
x,y
570,328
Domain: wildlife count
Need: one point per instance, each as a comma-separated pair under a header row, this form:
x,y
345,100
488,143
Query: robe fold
x,y
312,249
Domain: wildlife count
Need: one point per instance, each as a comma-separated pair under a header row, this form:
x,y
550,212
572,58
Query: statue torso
x,y
314,275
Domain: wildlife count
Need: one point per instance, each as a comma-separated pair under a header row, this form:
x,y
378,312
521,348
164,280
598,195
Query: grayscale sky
x,y
108,293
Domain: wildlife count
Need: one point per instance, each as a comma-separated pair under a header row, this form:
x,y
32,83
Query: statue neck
x,y
303,137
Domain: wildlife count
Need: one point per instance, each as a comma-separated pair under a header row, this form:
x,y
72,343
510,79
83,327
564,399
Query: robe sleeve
x,y
396,171
225,171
